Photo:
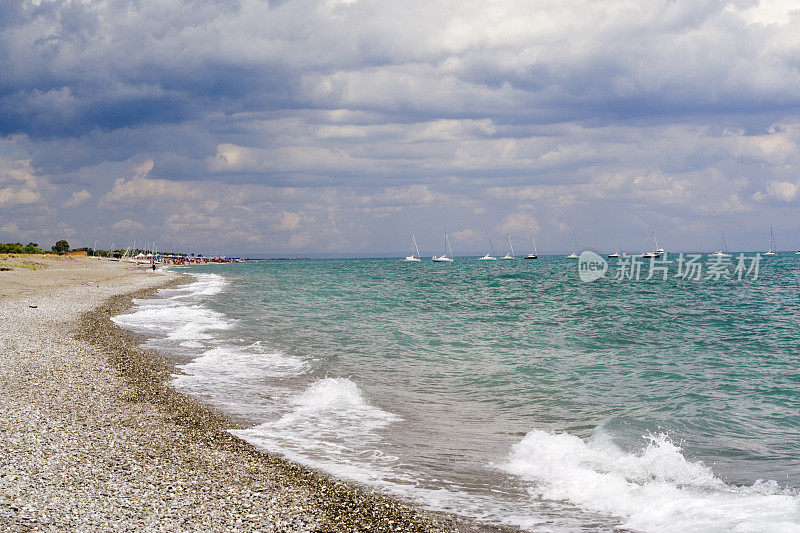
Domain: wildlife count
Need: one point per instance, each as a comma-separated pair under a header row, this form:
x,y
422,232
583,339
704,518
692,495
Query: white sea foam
x,y
179,323
657,489
337,398
205,285
237,378
331,426
241,379
229,364
179,317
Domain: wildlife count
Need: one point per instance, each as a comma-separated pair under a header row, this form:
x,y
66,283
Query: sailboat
x,y
414,252
488,256
444,258
618,253
574,254
510,252
113,251
532,255
771,243
724,251
658,252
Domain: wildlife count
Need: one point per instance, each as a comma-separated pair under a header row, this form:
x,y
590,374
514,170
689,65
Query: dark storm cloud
x,y
72,67
142,63
66,72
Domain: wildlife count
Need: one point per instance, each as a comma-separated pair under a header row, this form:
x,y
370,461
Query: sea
x,y
509,392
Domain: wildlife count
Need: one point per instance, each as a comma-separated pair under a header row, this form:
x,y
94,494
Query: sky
x,y
341,126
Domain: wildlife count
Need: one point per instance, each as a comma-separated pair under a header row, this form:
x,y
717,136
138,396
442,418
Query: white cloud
x,y
519,223
783,190
468,236
288,221
78,198
138,190
19,184
233,158
9,227
300,241
406,196
127,226
766,11
141,189
16,196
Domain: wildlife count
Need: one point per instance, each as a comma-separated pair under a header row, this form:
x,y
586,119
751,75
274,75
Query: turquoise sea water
x,y
509,391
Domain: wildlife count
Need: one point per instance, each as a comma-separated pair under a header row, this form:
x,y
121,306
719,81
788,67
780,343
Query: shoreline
x,y
199,474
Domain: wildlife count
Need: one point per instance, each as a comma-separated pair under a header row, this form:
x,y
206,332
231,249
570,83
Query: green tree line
x,y
61,247
17,248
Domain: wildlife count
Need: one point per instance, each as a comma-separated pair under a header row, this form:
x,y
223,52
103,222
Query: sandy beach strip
x,y
92,438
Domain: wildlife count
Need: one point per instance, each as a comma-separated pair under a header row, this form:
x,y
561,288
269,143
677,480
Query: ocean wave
x,y
654,489
329,425
229,364
240,379
178,316
204,285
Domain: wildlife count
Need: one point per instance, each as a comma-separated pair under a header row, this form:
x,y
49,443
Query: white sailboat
x,y
488,256
618,253
414,252
724,251
574,254
771,243
444,258
658,252
510,252
112,251
532,255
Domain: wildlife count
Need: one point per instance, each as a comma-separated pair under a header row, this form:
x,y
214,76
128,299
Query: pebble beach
x,y
93,438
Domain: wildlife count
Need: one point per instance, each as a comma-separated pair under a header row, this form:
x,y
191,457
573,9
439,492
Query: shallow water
x,y
510,391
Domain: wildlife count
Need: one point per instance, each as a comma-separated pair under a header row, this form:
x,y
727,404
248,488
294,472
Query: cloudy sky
x,y
339,126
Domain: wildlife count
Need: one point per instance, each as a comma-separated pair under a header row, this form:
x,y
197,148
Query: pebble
x,y
93,439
